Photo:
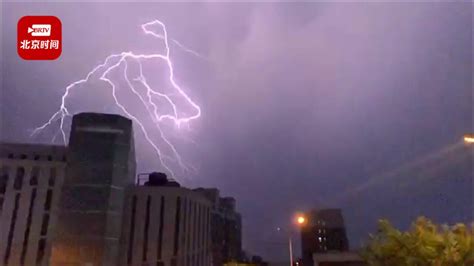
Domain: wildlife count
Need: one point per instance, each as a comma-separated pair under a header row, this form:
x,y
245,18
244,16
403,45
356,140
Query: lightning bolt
x,y
147,99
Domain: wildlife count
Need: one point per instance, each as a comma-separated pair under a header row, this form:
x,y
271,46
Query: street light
x,y
300,222
469,139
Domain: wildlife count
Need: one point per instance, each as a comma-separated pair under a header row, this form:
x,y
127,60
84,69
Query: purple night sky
x,y
309,105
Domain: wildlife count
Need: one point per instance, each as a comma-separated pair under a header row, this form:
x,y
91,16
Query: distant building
x,y
100,165
324,232
31,176
344,258
166,225
226,228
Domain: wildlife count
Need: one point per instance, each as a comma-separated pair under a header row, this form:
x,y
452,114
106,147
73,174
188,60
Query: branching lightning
x,y
113,62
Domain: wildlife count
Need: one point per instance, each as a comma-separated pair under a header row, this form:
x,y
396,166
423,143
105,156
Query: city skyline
x,y
358,106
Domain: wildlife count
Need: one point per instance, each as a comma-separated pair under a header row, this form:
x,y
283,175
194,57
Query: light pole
x,y
300,221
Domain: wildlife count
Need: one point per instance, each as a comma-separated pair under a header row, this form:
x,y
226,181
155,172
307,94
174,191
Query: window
x,y
49,198
160,230
52,176
34,176
36,157
44,225
50,158
20,173
28,225
41,250
176,226
132,231
190,217
145,232
184,223
10,156
4,179
12,230
195,211
23,156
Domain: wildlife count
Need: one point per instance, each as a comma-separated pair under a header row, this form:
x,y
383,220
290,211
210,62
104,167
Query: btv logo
x,y
39,37
40,30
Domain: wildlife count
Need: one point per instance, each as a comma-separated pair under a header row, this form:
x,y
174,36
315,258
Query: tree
x,y
425,244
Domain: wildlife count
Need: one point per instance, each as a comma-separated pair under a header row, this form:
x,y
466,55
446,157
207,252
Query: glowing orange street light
x,y
469,138
301,220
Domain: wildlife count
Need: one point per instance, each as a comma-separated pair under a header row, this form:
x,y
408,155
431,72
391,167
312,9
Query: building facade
x,y
226,228
324,232
100,166
31,177
166,225
80,206
337,258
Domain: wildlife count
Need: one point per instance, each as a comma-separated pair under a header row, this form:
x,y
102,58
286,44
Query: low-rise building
x,y
166,225
31,176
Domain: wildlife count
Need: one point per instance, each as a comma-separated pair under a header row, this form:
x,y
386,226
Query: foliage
x,y
425,244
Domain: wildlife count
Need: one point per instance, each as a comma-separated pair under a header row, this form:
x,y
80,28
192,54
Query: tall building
x,y
101,164
30,183
226,227
166,225
325,231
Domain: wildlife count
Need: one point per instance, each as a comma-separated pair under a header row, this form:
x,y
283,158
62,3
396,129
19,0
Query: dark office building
x,y
101,163
324,232
226,228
